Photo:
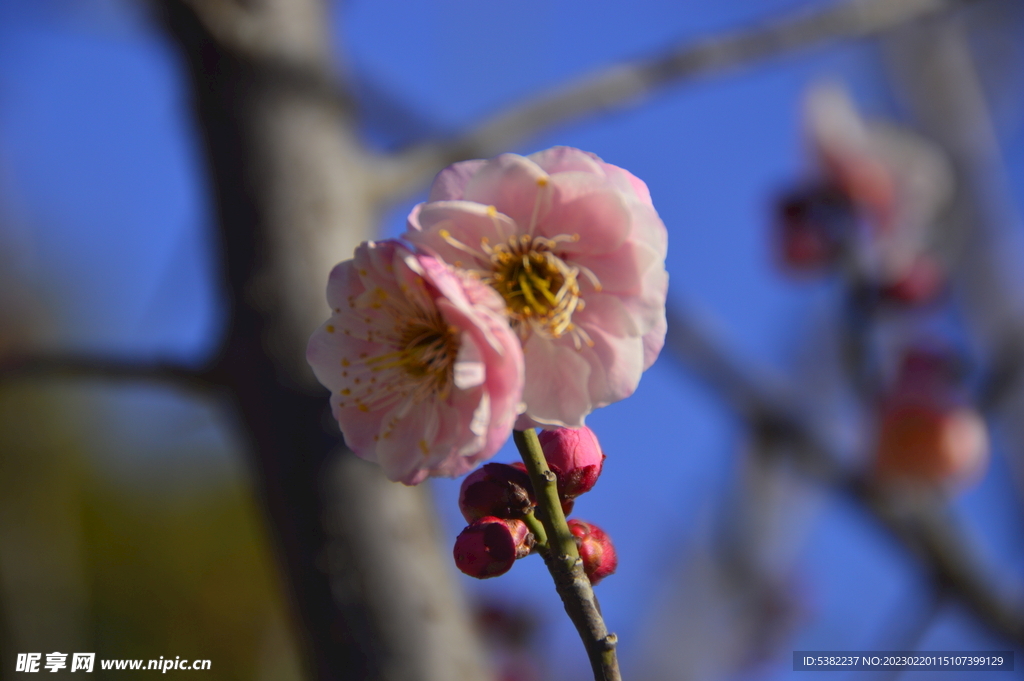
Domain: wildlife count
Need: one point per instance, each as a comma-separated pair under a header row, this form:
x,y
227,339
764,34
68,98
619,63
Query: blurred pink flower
x,y
900,182
425,374
577,251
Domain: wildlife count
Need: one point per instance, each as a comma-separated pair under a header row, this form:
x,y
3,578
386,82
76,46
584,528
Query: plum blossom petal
x,y
450,183
577,252
512,184
588,208
425,373
566,160
555,402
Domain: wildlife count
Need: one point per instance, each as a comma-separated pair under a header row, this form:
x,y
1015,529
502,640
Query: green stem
x,y
539,533
564,563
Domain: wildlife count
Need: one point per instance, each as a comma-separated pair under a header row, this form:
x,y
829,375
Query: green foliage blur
x,y
171,564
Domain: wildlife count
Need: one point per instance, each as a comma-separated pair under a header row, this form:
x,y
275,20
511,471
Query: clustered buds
x,y
497,498
596,550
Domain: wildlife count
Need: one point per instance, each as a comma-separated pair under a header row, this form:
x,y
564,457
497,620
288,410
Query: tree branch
x,y
922,529
270,56
565,565
372,592
627,83
100,368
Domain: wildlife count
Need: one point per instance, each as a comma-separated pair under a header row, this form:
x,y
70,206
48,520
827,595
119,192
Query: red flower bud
x,y
496,489
489,546
813,225
576,458
596,550
922,283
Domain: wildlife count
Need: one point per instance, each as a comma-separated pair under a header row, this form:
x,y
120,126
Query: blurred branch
x,y
933,72
922,528
270,56
627,83
373,595
100,368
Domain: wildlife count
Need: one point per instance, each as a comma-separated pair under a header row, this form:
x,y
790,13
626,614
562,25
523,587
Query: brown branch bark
x,y
292,198
922,528
628,83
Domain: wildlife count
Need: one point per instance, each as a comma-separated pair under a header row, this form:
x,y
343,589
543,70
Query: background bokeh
x,y
128,523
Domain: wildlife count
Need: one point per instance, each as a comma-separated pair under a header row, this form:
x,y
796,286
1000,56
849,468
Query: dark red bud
x,y
496,489
596,550
922,283
813,225
575,456
489,546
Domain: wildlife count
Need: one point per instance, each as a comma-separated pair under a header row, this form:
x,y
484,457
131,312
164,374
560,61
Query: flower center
x,y
428,352
425,349
541,291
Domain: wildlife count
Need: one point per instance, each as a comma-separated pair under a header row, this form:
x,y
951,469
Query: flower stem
x,y
564,563
540,534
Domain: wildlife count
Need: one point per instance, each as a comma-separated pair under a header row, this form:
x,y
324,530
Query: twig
x,y
628,82
100,368
564,562
922,529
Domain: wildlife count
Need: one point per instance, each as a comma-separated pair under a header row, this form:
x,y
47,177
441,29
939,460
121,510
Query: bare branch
x,y
922,528
627,83
100,368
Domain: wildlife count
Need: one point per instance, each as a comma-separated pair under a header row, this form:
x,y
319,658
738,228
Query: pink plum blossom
x,y
425,374
577,252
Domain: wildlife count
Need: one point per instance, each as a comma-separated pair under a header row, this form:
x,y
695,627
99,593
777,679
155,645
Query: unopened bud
x,y
489,546
596,550
921,283
813,226
576,458
496,489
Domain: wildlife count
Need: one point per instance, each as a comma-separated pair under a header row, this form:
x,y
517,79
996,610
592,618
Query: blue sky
x,y
104,205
